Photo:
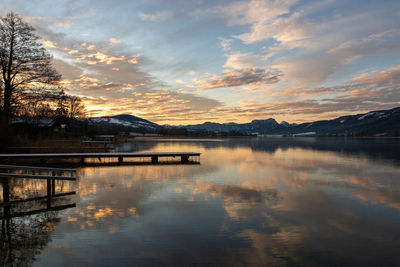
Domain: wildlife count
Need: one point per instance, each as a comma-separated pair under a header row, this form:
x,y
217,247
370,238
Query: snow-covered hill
x,y
127,122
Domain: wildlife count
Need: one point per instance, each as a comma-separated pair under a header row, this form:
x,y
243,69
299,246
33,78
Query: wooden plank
x,y
34,168
132,163
100,154
28,147
100,142
31,176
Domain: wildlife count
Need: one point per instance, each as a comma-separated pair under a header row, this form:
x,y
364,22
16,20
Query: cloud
x,y
243,77
390,76
306,48
239,60
49,44
283,30
290,49
365,85
111,81
71,52
90,47
133,60
100,57
254,11
268,19
159,16
308,69
320,59
378,43
68,71
368,91
57,21
114,41
225,43
161,106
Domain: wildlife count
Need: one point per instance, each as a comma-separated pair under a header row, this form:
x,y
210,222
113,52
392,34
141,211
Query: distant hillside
x,y
124,122
374,123
256,126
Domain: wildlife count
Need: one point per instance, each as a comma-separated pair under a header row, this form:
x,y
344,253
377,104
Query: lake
x,y
250,202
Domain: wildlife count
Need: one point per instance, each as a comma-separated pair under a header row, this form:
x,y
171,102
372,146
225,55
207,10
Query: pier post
x,y
154,159
82,160
120,159
6,195
184,159
53,185
48,193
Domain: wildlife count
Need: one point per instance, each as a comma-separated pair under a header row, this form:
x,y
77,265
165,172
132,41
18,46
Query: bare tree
x,y
76,108
23,61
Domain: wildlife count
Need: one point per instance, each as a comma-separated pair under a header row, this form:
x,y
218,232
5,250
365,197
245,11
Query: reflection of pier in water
x,y
127,163
25,222
120,156
51,189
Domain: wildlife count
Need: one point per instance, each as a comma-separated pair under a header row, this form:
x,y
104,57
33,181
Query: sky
x,y
191,61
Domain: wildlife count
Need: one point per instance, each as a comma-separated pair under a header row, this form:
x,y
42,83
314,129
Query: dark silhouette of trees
x,y
62,105
49,103
24,63
32,104
76,108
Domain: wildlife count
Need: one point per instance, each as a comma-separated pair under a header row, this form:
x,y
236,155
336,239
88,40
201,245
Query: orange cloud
x,y
49,44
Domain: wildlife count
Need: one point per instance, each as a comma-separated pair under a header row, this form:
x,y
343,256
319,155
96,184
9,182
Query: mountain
x,y
124,122
374,123
254,127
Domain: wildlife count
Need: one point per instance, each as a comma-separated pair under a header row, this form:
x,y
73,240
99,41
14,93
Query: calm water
x,y
251,202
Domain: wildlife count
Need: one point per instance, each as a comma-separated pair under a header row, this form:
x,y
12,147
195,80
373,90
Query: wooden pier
x,y
5,176
154,156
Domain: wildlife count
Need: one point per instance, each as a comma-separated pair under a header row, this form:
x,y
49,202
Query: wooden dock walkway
x,y
118,155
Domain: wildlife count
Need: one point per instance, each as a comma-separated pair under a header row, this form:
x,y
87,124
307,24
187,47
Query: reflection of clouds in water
x,y
291,206
316,228
246,176
300,168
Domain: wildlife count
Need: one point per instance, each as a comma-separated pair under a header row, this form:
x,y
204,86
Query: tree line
x,y
29,84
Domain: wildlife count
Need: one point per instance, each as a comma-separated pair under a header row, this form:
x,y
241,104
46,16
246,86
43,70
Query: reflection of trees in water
x,y
26,226
23,188
23,238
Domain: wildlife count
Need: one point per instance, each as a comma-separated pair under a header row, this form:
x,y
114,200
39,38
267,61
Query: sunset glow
x,y
188,62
